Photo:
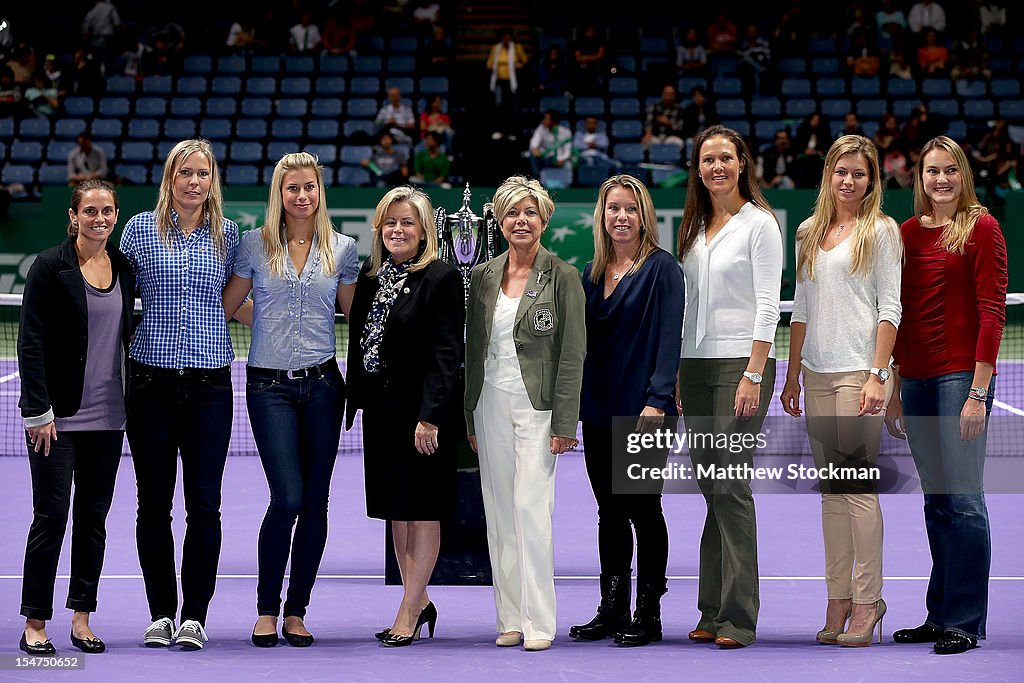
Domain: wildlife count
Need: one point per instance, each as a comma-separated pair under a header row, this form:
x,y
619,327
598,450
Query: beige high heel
x,y
827,636
864,639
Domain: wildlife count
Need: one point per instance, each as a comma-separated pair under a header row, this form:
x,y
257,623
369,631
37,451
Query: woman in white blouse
x,y
845,314
731,248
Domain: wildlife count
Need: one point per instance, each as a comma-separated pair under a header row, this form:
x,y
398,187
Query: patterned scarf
x,y
391,279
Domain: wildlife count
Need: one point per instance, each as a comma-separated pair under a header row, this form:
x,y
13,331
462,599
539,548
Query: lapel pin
x,y
405,291
532,293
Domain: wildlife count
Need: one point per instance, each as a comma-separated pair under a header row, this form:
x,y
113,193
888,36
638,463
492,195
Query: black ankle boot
x,y
612,613
646,625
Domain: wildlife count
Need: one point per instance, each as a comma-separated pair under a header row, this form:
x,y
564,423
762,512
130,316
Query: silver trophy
x,y
466,240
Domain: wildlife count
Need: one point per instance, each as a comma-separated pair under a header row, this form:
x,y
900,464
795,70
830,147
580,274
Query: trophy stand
x,y
464,240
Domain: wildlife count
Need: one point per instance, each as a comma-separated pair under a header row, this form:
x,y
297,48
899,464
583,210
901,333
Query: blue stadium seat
x,y
121,85
686,85
901,87
796,87
724,86
322,129
433,85
741,126
731,108
401,64
327,107
871,108
618,107
192,85
1003,87
114,106
264,64
186,106
628,152
261,85
658,175
622,85
326,154
34,128
180,129
865,87
231,64
353,154
144,129
77,106
299,64
1012,109
792,66
295,86
18,173
109,148
404,44
251,129
333,64
221,107
226,85
246,151
362,107
947,107
589,106
330,85
291,108
822,45
3,151
364,86
936,87
353,176
368,64
23,151
53,174
558,104
137,152
57,151
150,106
157,85
220,149
664,153
901,108
637,171
830,87
163,148
106,129
835,108
800,107
556,177
765,106
197,64
592,174
653,45
824,66
353,126
286,129
278,148
627,129
957,129
328,176
215,129
724,66
971,89
255,107
242,174
765,129
6,128
406,84
979,109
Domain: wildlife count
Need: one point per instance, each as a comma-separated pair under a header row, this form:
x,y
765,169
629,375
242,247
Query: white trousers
x,y
517,476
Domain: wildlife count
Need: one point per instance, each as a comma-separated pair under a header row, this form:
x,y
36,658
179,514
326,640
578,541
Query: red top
x,y
954,305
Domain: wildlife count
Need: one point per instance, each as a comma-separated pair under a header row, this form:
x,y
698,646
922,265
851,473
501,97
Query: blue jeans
x,y
952,473
296,424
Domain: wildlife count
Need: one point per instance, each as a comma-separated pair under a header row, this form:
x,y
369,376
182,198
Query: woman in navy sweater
x,y
634,293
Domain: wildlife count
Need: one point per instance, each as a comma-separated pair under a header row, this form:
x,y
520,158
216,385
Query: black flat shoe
x,y
953,643
922,634
296,640
38,648
264,639
90,646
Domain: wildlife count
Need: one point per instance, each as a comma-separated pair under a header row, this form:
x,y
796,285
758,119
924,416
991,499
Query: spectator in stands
x,y
436,120
42,97
591,144
774,164
86,77
86,161
10,96
789,37
691,57
426,15
54,76
897,165
390,164
505,59
755,60
698,114
930,124
397,118
590,55
550,145
99,24
863,58
926,14
890,21
888,132
898,66
993,158
811,142
992,18
553,76
242,35
970,58
665,119
932,57
305,35
339,38
851,125
437,54
722,36
22,64
431,165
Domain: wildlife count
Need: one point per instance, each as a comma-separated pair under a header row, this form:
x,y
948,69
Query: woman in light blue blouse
x,y
179,387
296,266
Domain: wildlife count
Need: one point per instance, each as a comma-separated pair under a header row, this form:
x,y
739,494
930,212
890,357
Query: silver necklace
x,y
842,226
616,276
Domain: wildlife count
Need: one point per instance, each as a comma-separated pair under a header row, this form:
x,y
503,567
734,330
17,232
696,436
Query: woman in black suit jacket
x,y
73,339
404,352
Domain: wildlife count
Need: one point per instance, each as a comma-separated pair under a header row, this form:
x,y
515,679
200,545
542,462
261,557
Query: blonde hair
x,y
869,212
957,233
214,204
517,188
424,211
648,225
274,231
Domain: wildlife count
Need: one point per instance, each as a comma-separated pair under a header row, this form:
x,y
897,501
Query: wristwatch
x,y
754,377
881,373
978,393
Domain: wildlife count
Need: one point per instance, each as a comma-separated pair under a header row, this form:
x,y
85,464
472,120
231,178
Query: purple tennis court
x,y
350,600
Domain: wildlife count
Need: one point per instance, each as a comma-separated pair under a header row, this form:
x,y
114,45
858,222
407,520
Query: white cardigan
x,y
732,287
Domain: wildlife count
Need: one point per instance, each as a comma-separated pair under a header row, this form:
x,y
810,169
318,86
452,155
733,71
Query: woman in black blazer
x,y
405,349
75,326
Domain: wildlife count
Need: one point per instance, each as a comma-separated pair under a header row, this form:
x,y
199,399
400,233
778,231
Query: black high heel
x,y
428,616
91,646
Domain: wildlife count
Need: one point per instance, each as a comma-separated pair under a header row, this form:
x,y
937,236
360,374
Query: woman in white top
x,y
731,248
845,314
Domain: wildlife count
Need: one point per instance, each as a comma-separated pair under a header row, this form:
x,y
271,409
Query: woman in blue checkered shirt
x,y
179,388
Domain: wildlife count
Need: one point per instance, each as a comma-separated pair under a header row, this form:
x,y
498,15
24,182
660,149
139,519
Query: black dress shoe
x,y
953,643
264,639
922,634
38,648
380,635
90,646
296,640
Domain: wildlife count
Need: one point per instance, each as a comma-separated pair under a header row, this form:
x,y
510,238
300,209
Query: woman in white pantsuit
x,y
526,339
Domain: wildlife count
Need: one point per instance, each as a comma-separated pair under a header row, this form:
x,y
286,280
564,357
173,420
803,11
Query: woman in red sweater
x,y
954,308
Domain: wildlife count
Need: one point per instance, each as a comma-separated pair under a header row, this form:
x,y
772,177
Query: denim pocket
x,y
218,380
140,379
260,386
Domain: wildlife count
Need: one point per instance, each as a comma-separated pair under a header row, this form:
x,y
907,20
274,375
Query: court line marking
x,y
1007,407
558,577
8,378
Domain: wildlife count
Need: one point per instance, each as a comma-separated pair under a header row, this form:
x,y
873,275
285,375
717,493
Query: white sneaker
x,y
190,635
159,633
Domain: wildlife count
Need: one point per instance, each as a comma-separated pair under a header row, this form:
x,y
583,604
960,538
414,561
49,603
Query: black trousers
x,y
172,411
619,516
88,460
